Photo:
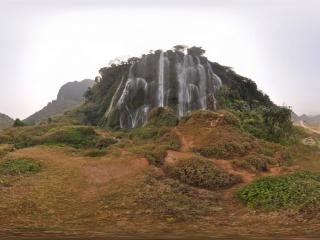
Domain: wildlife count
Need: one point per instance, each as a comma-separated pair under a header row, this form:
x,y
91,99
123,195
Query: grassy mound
x,y
202,173
18,166
296,190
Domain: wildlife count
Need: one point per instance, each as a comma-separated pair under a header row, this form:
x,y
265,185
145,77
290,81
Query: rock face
x,y
70,95
184,82
5,121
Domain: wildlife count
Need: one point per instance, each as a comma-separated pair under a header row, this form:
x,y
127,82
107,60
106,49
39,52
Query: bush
x,y
18,166
156,154
73,136
105,142
202,173
295,190
224,151
162,117
254,163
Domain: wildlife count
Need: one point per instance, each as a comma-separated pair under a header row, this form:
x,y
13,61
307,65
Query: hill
x,y
237,167
5,121
182,81
70,95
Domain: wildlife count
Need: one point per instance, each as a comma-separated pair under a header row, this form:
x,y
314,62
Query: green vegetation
x,y
261,118
295,190
73,136
254,162
18,166
18,123
225,150
202,173
162,117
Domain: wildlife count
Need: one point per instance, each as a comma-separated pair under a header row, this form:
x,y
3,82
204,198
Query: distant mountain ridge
x,y
69,96
5,121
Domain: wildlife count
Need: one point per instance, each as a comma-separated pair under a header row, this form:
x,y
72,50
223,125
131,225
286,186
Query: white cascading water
x,y
161,80
111,105
144,89
131,117
202,84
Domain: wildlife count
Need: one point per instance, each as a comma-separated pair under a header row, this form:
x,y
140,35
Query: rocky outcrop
x,y
70,95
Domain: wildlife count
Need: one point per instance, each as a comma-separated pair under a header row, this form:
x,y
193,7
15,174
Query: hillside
x,y
70,95
224,161
68,179
5,121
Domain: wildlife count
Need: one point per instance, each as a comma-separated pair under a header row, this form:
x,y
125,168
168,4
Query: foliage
x,y
254,162
105,142
18,123
261,117
202,173
224,150
73,136
18,166
196,51
162,117
295,190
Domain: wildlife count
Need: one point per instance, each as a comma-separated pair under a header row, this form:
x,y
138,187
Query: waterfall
x,y
131,115
154,81
202,84
111,105
161,80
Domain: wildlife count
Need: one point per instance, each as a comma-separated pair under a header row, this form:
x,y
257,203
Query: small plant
x,y
202,173
18,166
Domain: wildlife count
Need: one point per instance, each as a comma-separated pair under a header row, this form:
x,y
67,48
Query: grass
x,y
19,166
202,173
292,191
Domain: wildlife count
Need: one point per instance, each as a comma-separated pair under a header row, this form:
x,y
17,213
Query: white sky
x,y
44,44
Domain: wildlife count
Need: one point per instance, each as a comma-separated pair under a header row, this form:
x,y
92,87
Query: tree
x,y
18,123
196,51
180,48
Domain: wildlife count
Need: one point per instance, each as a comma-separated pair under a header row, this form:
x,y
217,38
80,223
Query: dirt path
x,y
302,124
185,144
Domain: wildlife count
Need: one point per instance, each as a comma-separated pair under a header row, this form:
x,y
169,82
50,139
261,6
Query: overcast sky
x,y
46,43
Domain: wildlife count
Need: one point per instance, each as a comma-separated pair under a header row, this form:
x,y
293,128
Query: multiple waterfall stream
x,y
182,82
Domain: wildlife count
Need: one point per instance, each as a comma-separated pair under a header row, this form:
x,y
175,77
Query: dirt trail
x,y
185,144
302,124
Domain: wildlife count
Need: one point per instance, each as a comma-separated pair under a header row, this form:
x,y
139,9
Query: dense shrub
x,y
295,190
202,173
224,151
254,162
162,117
105,142
18,166
73,136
